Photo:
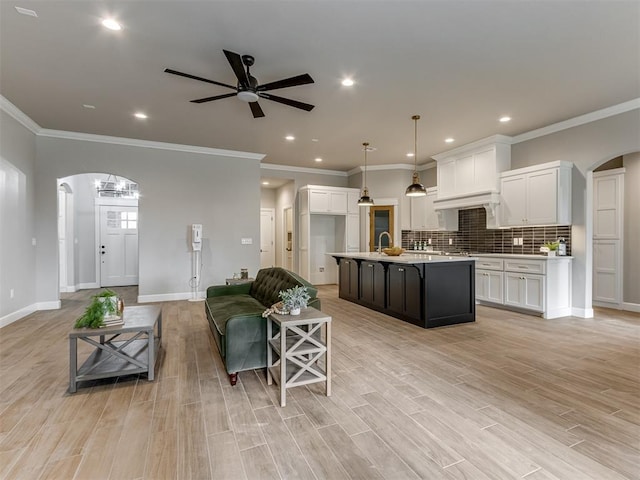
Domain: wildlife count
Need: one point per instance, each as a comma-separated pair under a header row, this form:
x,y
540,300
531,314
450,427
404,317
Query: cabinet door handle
x,y
346,261
401,269
523,266
370,265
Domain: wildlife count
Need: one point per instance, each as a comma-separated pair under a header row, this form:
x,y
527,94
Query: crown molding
x,y
18,115
133,142
392,166
580,120
289,168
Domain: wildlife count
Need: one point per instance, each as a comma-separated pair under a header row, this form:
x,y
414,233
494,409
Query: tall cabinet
x,y
329,222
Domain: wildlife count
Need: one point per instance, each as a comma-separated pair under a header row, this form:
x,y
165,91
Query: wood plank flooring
x,y
509,396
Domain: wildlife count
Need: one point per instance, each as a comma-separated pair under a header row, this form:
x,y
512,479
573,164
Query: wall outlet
x,y
33,241
321,269
451,241
247,241
11,293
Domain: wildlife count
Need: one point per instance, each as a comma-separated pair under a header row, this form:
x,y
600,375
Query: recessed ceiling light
x,y
26,11
111,24
449,140
90,107
505,119
290,138
265,183
347,82
315,140
140,115
409,154
318,159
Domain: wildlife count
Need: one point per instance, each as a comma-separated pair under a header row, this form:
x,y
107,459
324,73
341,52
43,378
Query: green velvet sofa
x,y
235,317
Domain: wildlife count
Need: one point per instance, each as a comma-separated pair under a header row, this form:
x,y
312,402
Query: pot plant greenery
x,y
293,299
104,304
550,248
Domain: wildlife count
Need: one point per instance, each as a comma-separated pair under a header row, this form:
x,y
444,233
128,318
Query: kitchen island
x,y
422,289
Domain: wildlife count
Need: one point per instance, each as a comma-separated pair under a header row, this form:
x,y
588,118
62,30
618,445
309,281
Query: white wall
x,y
177,188
17,193
631,255
587,146
267,198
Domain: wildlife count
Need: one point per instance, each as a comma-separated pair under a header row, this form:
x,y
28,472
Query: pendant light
x,y
416,189
365,199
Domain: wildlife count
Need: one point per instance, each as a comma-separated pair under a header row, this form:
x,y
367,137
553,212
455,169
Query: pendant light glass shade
x,y
416,189
365,200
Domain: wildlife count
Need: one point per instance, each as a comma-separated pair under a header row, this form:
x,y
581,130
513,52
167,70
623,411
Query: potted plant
x,y
550,248
294,299
105,304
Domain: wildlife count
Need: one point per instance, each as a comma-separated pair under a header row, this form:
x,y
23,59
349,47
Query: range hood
x,y
489,200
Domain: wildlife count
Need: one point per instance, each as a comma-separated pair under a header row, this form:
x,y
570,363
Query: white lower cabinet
x,y
524,291
523,283
489,286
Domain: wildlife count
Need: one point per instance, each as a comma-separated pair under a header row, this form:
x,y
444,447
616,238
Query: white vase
x,y
294,311
552,253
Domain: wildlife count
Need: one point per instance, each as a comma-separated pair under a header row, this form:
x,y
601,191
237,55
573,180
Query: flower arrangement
x,y
293,299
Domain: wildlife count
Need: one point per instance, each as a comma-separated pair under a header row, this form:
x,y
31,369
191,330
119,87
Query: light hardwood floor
x,y
510,396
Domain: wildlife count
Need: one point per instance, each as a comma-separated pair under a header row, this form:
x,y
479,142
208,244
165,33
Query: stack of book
x,y
112,321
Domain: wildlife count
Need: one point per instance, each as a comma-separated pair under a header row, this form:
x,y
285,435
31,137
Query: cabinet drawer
x,y
490,263
527,266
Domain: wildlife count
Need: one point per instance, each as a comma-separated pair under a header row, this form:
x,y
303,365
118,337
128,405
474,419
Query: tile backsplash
x,y
474,236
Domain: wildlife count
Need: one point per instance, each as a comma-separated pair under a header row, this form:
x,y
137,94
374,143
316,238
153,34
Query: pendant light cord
x,y
365,145
415,119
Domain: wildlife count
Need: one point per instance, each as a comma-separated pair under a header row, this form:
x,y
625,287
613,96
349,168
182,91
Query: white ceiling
x,y
460,65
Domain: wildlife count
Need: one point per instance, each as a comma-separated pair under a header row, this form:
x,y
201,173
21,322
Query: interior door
x,y
267,251
118,245
381,220
288,238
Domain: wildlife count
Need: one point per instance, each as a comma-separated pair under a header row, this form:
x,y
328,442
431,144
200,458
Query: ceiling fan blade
x,y
238,68
187,75
256,110
287,82
217,97
287,101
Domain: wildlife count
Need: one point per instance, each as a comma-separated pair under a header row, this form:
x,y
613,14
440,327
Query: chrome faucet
x,y
380,241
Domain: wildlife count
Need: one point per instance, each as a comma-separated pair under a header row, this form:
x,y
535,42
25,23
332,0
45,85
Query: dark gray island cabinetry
x,y
425,290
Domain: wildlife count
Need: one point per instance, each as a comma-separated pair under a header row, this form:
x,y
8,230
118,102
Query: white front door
x,y
267,251
118,245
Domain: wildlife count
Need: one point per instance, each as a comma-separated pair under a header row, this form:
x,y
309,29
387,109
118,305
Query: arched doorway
x,y
104,244
613,259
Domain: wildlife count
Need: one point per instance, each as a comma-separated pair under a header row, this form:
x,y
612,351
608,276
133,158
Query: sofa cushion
x,y
223,308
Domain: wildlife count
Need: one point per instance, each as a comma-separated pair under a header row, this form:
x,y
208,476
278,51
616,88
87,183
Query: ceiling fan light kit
x,y
365,200
248,89
416,189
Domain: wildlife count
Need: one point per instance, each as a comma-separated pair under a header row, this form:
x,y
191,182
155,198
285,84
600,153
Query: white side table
x,y
298,351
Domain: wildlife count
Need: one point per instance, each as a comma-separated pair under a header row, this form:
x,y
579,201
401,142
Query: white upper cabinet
x,y
328,201
537,195
473,168
423,213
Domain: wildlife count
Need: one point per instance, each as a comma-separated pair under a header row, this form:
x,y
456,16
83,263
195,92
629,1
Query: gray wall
x,y
17,193
267,198
176,189
631,258
587,146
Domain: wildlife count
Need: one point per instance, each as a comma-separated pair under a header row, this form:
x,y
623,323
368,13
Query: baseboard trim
x,y
558,313
582,312
68,289
631,307
85,286
168,297
17,315
54,305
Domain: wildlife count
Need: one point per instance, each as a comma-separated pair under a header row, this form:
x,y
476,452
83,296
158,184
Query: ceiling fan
x,y
248,89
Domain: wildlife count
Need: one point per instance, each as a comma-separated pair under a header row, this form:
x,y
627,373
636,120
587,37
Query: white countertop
x,y
404,258
498,255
